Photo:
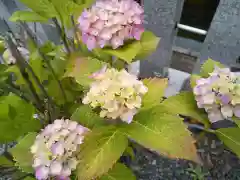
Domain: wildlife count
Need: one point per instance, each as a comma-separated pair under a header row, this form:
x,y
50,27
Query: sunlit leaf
x,y
149,43
231,138
209,66
27,16
119,172
193,80
19,79
22,154
21,122
42,7
184,104
5,162
65,9
156,89
127,52
100,151
82,68
163,133
87,117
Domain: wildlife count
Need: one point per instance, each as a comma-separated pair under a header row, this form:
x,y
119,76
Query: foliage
x,y
119,172
135,49
163,133
156,90
16,118
100,152
185,104
50,83
21,152
208,67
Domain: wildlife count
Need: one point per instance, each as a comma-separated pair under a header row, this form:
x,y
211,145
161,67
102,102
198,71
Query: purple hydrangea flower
x,y
54,148
216,94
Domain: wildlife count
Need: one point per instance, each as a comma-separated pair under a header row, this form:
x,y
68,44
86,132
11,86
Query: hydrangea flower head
x,y
55,147
111,22
117,93
219,94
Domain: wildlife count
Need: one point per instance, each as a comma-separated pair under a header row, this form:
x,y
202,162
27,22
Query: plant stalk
x,y
62,35
43,57
23,66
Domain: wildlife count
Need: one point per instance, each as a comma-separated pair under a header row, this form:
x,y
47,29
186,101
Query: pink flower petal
x,y
42,172
137,32
91,42
116,42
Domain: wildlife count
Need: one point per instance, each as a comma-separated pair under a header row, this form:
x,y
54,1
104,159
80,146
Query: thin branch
x,y
19,93
43,57
21,64
62,35
75,34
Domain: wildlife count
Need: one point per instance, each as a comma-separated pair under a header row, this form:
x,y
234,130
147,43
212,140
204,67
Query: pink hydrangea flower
x,y
111,23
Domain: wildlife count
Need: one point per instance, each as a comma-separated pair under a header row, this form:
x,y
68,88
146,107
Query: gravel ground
x,y
218,164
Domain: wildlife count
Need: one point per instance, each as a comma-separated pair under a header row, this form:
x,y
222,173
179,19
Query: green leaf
x,y
22,153
65,9
82,67
2,46
127,52
129,152
13,126
193,80
5,162
231,138
29,178
17,74
100,151
41,7
209,66
156,89
184,103
27,16
236,120
149,43
39,69
119,172
163,133
87,117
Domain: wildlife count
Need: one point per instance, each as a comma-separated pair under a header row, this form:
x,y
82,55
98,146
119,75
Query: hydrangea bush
x,y
72,109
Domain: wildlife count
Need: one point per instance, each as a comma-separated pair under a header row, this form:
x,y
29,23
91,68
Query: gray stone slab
x,y
161,17
223,39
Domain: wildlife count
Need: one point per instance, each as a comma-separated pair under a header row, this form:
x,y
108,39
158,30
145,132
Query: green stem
x,y
23,66
75,33
62,35
43,57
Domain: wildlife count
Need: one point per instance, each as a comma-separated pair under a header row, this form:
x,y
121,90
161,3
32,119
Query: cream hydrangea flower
x,y
117,93
54,149
219,94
